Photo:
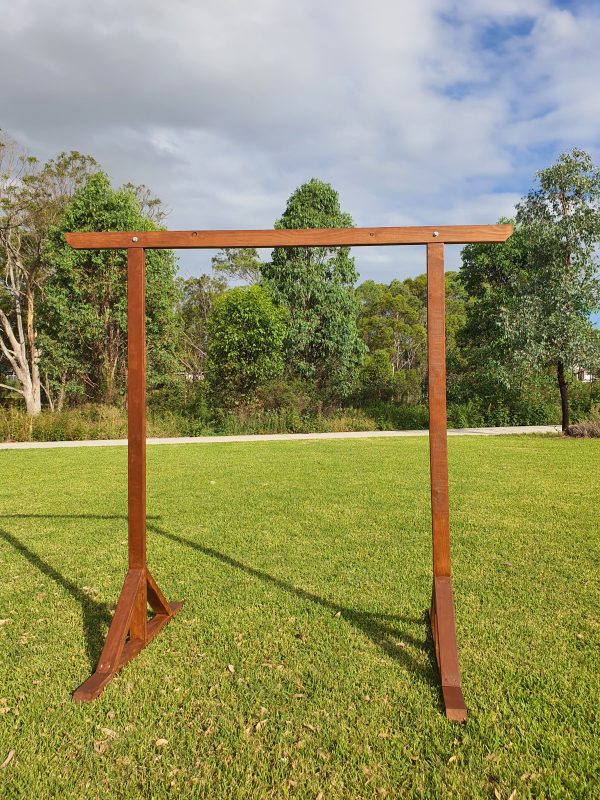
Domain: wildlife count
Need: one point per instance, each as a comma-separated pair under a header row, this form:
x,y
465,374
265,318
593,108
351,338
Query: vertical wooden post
x,y
130,630
442,605
136,429
438,444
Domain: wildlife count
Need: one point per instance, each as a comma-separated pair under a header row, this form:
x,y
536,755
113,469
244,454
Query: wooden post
x,y
130,630
442,605
136,428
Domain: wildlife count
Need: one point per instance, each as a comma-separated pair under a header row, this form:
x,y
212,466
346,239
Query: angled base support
x,y
130,630
443,629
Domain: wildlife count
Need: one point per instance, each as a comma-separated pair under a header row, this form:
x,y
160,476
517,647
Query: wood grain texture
x,y
119,627
127,636
436,378
313,237
136,406
443,629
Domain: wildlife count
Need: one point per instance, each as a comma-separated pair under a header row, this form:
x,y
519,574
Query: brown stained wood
x,y
139,615
140,588
443,628
130,630
155,625
118,649
93,687
442,607
438,446
313,237
119,627
136,406
156,600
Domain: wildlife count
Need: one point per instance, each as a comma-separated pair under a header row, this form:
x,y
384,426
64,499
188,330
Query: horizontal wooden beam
x,y
313,237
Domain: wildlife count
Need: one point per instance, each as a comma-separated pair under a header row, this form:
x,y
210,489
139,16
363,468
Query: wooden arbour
x,y
130,630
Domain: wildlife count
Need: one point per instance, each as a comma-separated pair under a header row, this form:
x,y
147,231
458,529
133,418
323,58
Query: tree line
x,y
297,330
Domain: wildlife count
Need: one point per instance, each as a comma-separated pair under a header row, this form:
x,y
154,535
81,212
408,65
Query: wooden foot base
x,y
130,630
443,629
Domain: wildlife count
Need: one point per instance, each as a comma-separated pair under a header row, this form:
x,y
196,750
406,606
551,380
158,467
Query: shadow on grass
x,y
96,616
388,637
382,629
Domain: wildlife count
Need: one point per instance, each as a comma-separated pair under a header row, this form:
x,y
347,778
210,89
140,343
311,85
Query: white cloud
x,y
419,112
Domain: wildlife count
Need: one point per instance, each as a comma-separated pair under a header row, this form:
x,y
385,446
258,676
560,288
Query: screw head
x,y
134,238
436,233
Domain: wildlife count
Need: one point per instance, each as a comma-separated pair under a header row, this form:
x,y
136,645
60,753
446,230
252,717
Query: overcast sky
x,y
417,111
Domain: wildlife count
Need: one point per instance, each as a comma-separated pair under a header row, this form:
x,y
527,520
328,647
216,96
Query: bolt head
x,y
134,238
436,233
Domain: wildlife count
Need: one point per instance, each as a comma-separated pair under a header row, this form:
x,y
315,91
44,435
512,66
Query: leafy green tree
x,y
376,377
561,219
33,198
246,331
535,293
238,264
84,310
316,285
198,296
490,369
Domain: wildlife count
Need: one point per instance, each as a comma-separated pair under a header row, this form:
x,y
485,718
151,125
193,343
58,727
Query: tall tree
x,y
391,321
238,264
316,285
33,198
85,298
495,277
535,293
561,218
198,296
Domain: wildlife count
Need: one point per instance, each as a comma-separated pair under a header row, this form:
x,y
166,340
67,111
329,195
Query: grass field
x,y
306,567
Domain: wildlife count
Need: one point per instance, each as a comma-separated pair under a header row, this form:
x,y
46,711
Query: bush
x,y
391,416
244,421
580,400
587,428
465,415
376,377
281,393
245,343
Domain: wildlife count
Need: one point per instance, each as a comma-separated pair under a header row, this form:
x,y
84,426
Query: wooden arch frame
x,y
130,630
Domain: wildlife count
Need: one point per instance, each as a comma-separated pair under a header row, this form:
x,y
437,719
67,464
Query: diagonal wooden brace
x,y
443,630
130,630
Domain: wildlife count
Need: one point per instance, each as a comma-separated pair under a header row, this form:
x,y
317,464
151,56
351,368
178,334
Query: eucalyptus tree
x,y
561,220
33,198
239,264
85,298
198,296
316,285
534,295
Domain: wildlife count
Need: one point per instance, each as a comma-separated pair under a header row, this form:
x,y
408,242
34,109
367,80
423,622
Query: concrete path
x,y
285,437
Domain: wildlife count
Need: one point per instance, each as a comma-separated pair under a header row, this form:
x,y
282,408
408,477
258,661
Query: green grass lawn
x,y
307,567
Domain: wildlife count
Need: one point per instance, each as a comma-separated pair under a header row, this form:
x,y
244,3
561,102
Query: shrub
x,y
587,428
376,377
279,393
245,343
391,416
465,415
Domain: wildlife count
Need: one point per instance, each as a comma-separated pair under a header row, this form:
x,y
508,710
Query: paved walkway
x,y
285,437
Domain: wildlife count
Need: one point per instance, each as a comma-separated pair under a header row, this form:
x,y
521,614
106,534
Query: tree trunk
x,y
564,395
34,357
27,372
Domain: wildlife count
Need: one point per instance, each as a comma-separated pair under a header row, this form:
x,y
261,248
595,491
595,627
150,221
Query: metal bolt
x,y
134,238
436,233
